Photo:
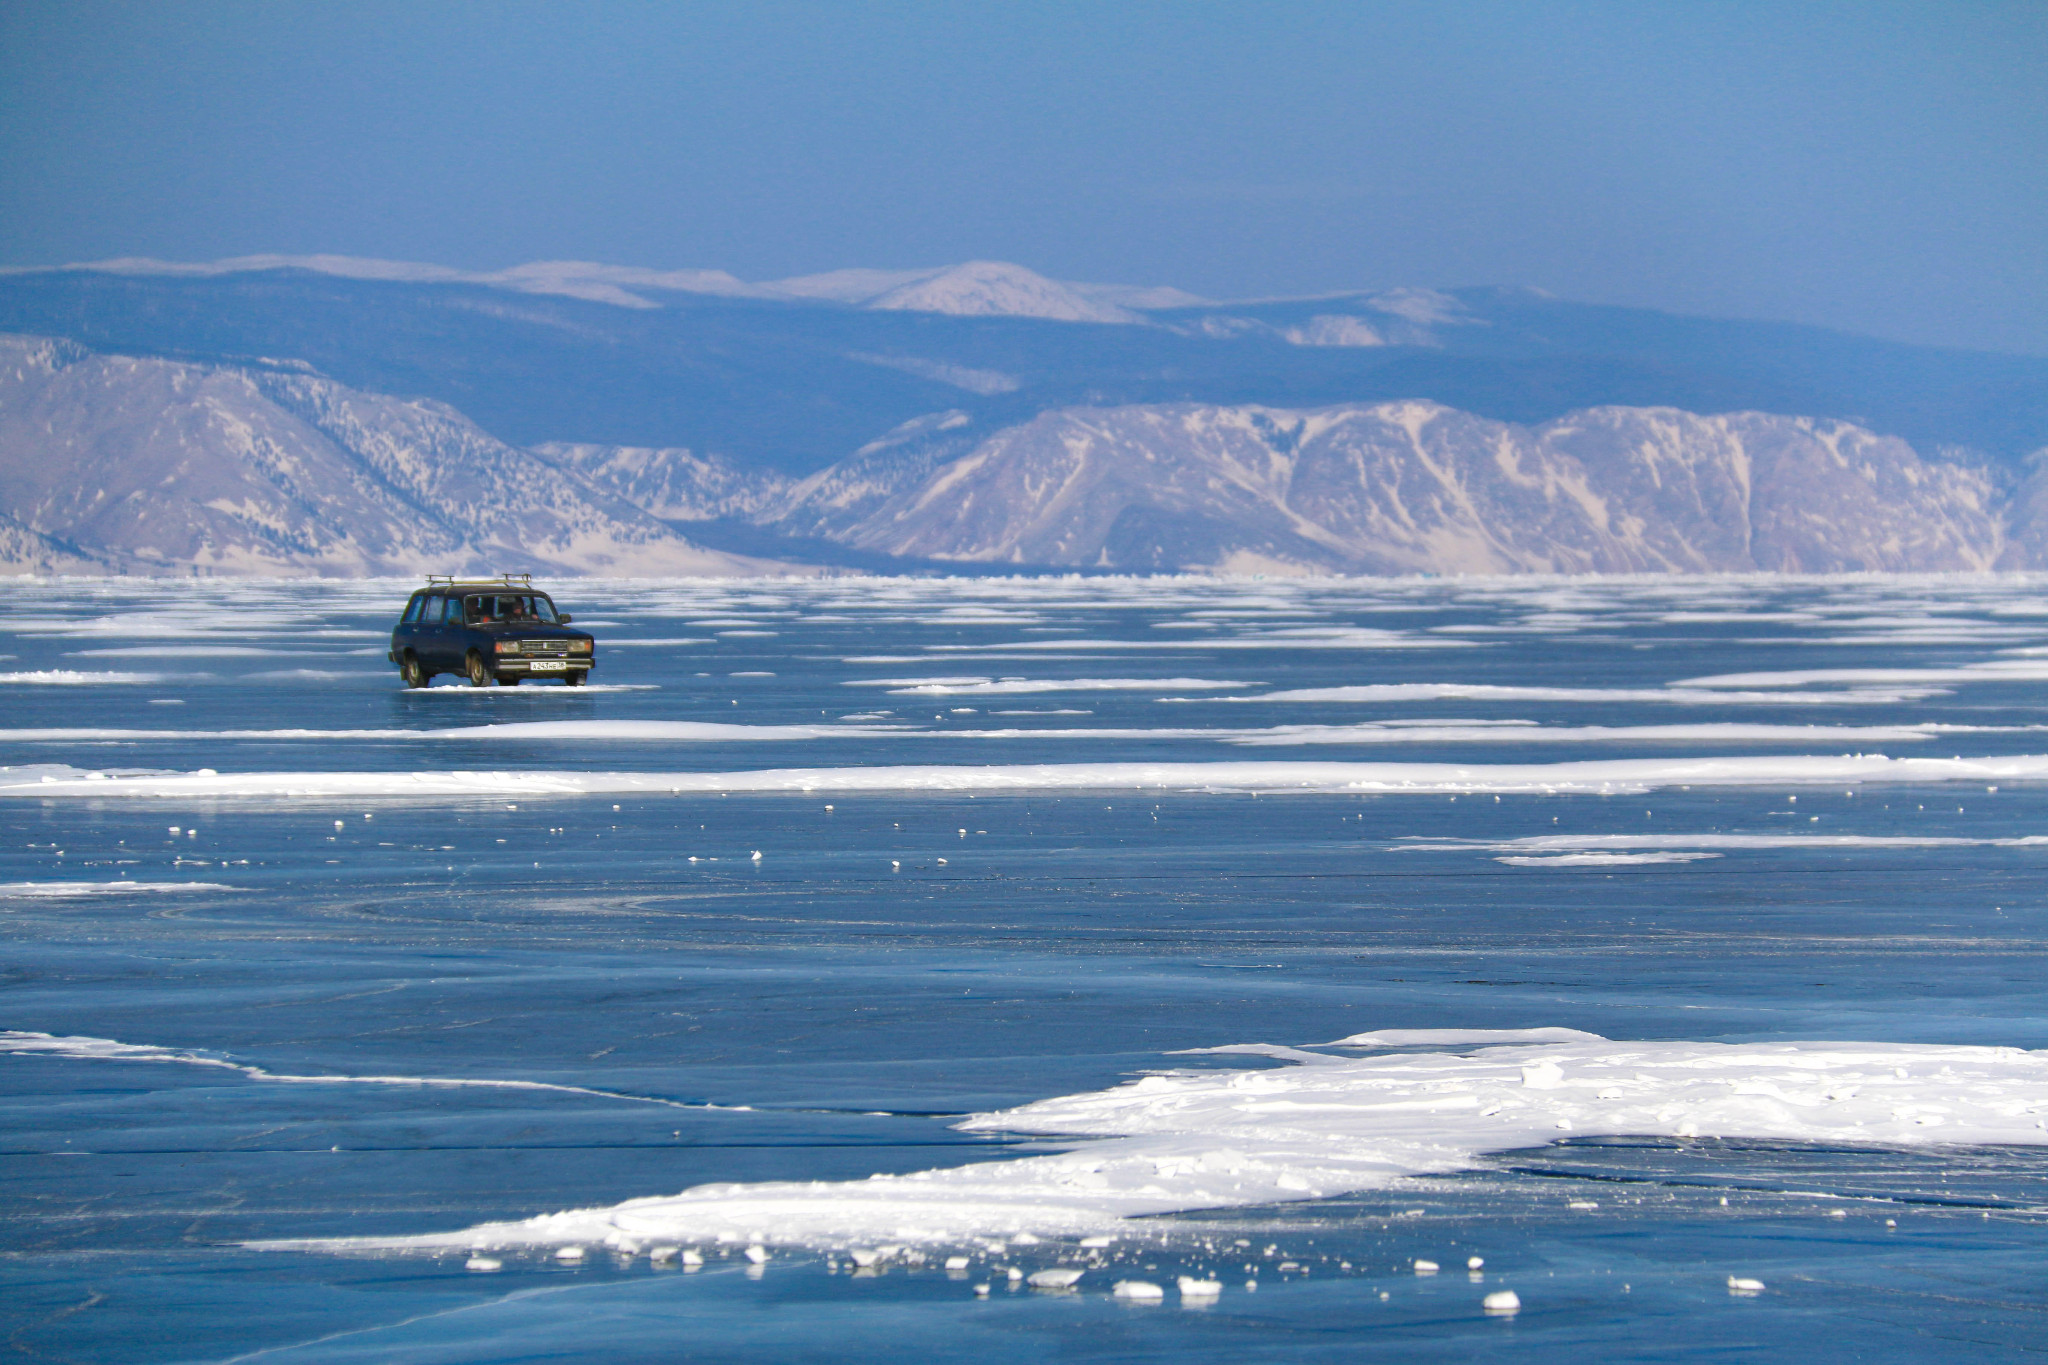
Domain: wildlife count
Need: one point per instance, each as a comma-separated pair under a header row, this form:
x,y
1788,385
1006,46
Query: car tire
x,y
572,679
479,671
410,670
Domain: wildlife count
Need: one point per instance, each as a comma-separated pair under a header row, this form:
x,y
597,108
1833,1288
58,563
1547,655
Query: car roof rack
x,y
507,580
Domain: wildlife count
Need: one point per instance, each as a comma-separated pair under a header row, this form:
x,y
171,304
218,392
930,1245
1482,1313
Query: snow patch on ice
x,y
1598,776
74,890
1201,1139
71,677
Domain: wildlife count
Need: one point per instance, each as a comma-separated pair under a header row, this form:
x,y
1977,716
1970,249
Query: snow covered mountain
x,y
115,463
339,416
971,289
137,464
1417,487
996,289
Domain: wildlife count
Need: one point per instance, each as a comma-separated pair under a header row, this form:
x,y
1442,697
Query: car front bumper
x,y
542,668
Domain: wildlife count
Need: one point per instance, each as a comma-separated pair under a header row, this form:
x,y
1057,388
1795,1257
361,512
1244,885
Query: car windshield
x,y
508,608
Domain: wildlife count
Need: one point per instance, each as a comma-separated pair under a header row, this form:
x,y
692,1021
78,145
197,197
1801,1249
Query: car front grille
x,y
545,648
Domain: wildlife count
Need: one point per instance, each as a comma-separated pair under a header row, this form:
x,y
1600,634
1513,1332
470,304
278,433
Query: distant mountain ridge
x,y
125,464
797,381
330,415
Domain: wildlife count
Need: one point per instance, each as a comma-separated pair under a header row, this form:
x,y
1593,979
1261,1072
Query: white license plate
x,y
548,663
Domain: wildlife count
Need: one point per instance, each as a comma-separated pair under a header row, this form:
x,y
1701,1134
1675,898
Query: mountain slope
x,y
1417,487
796,383
149,465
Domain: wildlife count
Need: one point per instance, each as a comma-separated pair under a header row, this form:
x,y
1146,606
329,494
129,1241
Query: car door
x,y
404,634
429,636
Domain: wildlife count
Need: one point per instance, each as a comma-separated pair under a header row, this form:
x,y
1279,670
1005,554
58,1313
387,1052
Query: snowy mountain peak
x,y
998,289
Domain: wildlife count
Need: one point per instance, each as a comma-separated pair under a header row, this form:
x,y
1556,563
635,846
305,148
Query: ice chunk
x,y
1140,1290
1059,1277
1192,1288
1502,1303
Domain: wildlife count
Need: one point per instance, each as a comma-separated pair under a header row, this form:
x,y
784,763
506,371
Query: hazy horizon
x,y
1874,169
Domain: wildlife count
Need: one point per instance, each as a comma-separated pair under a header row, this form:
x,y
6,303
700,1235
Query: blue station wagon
x,y
500,630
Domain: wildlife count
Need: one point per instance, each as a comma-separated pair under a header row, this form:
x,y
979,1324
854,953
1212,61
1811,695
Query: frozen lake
x,y
1632,936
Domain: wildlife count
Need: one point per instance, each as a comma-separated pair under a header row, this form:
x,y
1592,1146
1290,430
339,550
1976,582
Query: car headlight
x,y
579,646
506,646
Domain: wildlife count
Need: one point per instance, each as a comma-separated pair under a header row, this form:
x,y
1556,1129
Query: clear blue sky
x,y
1875,167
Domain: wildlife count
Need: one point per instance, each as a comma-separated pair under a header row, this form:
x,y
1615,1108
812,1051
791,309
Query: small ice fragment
x,y
482,1265
1192,1288
1059,1277
1838,1213
1142,1290
1474,1262
661,1255
337,824
1891,1222
1014,1273
569,1255
1098,1241
981,1291
1024,1239
863,1257
693,1258
956,1263
1502,1303
1738,1285
1426,1267
895,865
757,1253
757,855
1582,1204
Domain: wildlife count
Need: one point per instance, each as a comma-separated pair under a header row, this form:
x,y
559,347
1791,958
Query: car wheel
x,y
479,672
410,670
572,680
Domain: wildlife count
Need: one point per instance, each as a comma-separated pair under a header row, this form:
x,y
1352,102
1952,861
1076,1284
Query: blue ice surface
x,y
1068,941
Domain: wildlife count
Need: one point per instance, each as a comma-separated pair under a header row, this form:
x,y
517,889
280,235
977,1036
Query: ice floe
x,y
1208,1139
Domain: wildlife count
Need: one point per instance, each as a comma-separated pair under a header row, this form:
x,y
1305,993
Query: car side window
x,y
412,611
435,607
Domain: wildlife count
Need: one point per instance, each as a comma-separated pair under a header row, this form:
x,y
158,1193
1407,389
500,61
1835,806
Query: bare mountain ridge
x,y
141,465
